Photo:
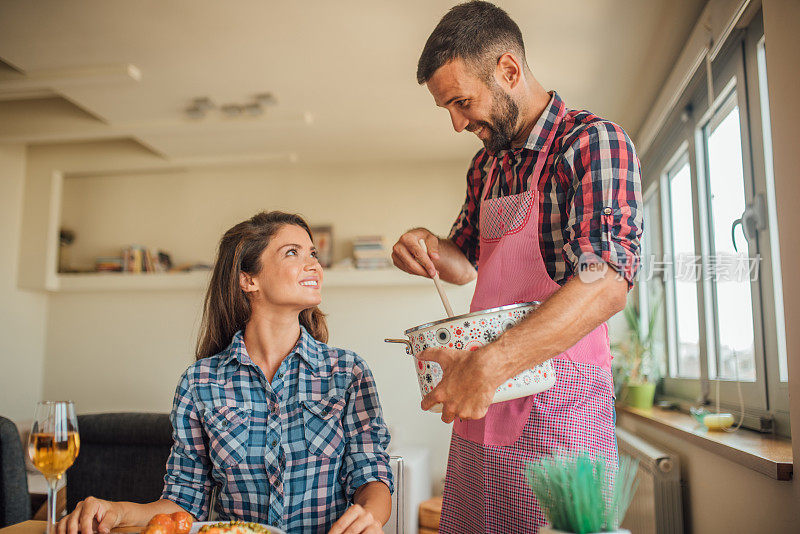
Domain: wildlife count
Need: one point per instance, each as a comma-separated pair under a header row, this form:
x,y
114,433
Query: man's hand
x,y
408,256
356,520
443,257
469,380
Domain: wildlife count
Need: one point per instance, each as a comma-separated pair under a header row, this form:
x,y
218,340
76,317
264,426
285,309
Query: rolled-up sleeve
x,y
367,437
604,200
188,480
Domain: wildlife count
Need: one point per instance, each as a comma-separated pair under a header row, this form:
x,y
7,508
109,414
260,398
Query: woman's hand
x,y
356,520
91,515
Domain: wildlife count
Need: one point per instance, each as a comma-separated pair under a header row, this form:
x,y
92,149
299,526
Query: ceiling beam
x,y
181,164
138,129
51,79
26,94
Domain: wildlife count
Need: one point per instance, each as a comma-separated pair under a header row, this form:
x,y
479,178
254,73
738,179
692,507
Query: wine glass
x,y
53,446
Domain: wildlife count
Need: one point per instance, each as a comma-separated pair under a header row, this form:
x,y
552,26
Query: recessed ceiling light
x,y
231,110
266,99
195,112
203,102
253,109
201,105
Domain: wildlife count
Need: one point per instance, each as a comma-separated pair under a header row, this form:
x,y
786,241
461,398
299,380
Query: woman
x,y
287,429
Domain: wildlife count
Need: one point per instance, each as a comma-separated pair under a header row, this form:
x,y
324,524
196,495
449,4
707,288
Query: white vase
x,y
547,529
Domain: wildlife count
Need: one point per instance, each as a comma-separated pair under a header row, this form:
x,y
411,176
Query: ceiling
x,y
343,72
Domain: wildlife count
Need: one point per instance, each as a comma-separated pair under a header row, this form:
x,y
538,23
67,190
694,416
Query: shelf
x,y
333,278
130,282
767,454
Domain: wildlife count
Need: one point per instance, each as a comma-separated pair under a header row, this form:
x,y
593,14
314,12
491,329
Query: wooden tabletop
x,y
37,527
764,453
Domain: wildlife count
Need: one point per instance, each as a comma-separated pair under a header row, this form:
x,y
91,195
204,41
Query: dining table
x,y
38,527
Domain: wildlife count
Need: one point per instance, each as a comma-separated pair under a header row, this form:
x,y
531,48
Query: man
x,y
552,214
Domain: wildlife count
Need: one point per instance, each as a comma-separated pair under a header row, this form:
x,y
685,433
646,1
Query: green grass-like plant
x,y
575,493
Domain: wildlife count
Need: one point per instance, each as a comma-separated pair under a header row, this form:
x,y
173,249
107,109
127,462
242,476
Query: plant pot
x,y
547,529
640,395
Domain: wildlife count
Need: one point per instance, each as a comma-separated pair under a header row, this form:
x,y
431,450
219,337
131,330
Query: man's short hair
x,y
476,32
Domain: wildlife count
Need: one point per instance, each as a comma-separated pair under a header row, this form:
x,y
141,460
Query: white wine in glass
x,y
53,445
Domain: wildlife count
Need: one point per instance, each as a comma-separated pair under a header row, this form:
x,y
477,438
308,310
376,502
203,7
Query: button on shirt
x,y
290,453
590,192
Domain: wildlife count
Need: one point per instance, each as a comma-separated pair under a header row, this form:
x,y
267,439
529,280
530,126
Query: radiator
x,y
396,523
657,507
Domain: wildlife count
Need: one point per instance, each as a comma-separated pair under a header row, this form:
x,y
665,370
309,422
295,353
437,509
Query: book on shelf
x,y
377,263
369,252
137,259
108,264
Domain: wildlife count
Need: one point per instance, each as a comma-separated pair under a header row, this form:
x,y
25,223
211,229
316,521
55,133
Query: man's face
x,y
488,112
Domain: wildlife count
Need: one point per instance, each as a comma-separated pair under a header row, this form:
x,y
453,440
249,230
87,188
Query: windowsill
x,y
764,453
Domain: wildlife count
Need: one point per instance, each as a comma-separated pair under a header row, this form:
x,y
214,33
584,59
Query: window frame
x,y
736,67
651,235
680,160
732,95
770,276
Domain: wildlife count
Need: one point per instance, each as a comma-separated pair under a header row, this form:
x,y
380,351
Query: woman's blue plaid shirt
x,y
290,453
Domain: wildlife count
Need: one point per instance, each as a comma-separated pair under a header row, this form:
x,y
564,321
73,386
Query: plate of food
x,y
182,523
232,527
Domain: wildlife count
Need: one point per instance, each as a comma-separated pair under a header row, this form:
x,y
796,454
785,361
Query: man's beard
x,y
504,121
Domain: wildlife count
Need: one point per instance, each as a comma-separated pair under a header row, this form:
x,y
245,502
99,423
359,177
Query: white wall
x,y
22,313
782,44
124,350
112,351
722,496
186,212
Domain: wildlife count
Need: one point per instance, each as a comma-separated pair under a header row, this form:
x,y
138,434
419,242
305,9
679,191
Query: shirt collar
x,y
548,121
306,348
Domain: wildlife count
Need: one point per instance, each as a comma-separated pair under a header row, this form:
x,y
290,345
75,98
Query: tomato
x,y
162,520
183,522
159,529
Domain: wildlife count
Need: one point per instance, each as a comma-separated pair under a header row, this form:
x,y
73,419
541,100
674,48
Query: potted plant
x,y
636,369
576,495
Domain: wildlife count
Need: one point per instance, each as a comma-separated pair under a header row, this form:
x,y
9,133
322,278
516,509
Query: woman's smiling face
x,y
291,276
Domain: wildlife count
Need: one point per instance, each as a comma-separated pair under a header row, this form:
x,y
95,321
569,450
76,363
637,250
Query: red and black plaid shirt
x,y
590,189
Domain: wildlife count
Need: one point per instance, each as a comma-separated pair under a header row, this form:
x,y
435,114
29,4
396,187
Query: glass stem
x,y
51,504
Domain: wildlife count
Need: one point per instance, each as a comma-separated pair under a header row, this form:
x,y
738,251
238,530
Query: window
x,y
731,301
685,352
711,238
777,292
651,297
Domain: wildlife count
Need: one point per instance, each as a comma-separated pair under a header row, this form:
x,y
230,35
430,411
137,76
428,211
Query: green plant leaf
x,y
575,493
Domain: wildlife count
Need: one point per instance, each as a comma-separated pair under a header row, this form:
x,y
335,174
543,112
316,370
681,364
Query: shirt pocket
x,y
322,419
228,429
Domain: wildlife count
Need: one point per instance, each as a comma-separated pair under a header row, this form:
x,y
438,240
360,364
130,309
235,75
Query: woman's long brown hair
x,y
227,308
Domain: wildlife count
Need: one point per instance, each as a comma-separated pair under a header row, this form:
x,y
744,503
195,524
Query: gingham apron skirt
x,y
485,488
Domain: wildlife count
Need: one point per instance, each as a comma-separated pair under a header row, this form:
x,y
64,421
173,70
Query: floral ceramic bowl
x,y
470,332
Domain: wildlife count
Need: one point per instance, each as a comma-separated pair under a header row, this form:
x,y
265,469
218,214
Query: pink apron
x,y
485,488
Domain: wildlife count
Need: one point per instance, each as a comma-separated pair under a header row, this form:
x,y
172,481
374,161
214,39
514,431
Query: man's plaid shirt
x,y
290,453
590,192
